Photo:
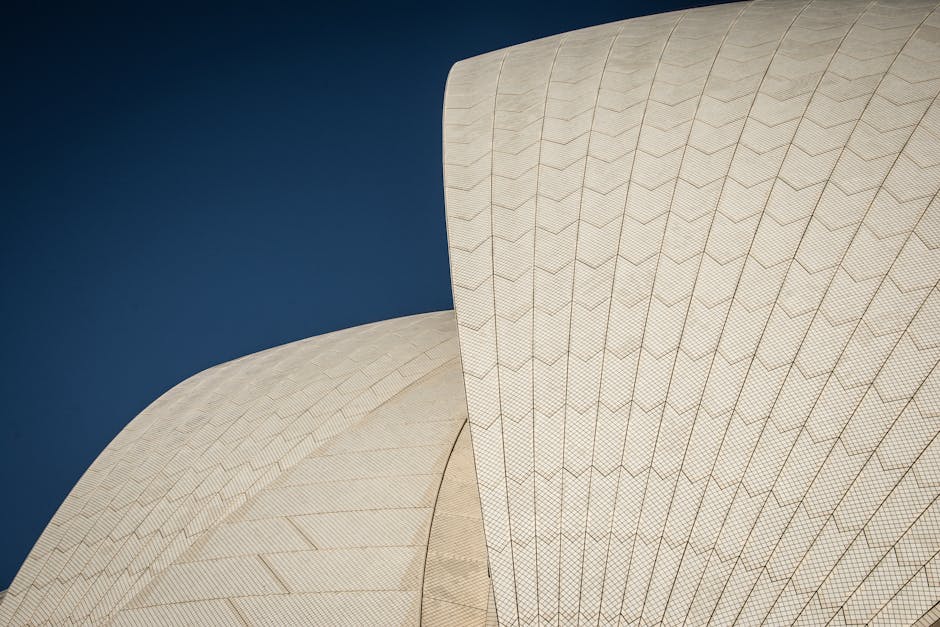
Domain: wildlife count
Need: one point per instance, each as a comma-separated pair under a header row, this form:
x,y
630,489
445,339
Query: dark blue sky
x,y
183,186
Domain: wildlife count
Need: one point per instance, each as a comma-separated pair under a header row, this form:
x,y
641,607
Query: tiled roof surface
x,y
695,261
294,486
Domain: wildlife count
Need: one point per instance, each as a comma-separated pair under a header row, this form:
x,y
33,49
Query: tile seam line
x,y
231,603
450,602
934,608
437,497
535,224
263,595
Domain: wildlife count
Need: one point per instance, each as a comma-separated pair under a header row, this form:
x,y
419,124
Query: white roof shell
x,y
695,261
293,486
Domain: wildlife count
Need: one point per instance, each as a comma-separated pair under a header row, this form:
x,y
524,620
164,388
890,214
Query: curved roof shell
x,y
292,486
695,261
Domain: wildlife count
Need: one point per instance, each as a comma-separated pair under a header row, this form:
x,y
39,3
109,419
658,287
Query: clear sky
x,y
184,185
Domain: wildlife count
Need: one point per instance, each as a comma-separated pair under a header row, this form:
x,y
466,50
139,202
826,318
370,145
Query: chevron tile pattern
x,y
292,486
695,261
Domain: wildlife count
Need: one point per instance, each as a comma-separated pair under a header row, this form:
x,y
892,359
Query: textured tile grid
x,y
205,481
456,584
801,375
344,529
694,259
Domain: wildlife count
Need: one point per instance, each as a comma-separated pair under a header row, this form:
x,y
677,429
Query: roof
x,y
294,485
695,260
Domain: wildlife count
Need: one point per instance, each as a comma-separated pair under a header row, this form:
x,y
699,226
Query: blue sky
x,y
185,185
